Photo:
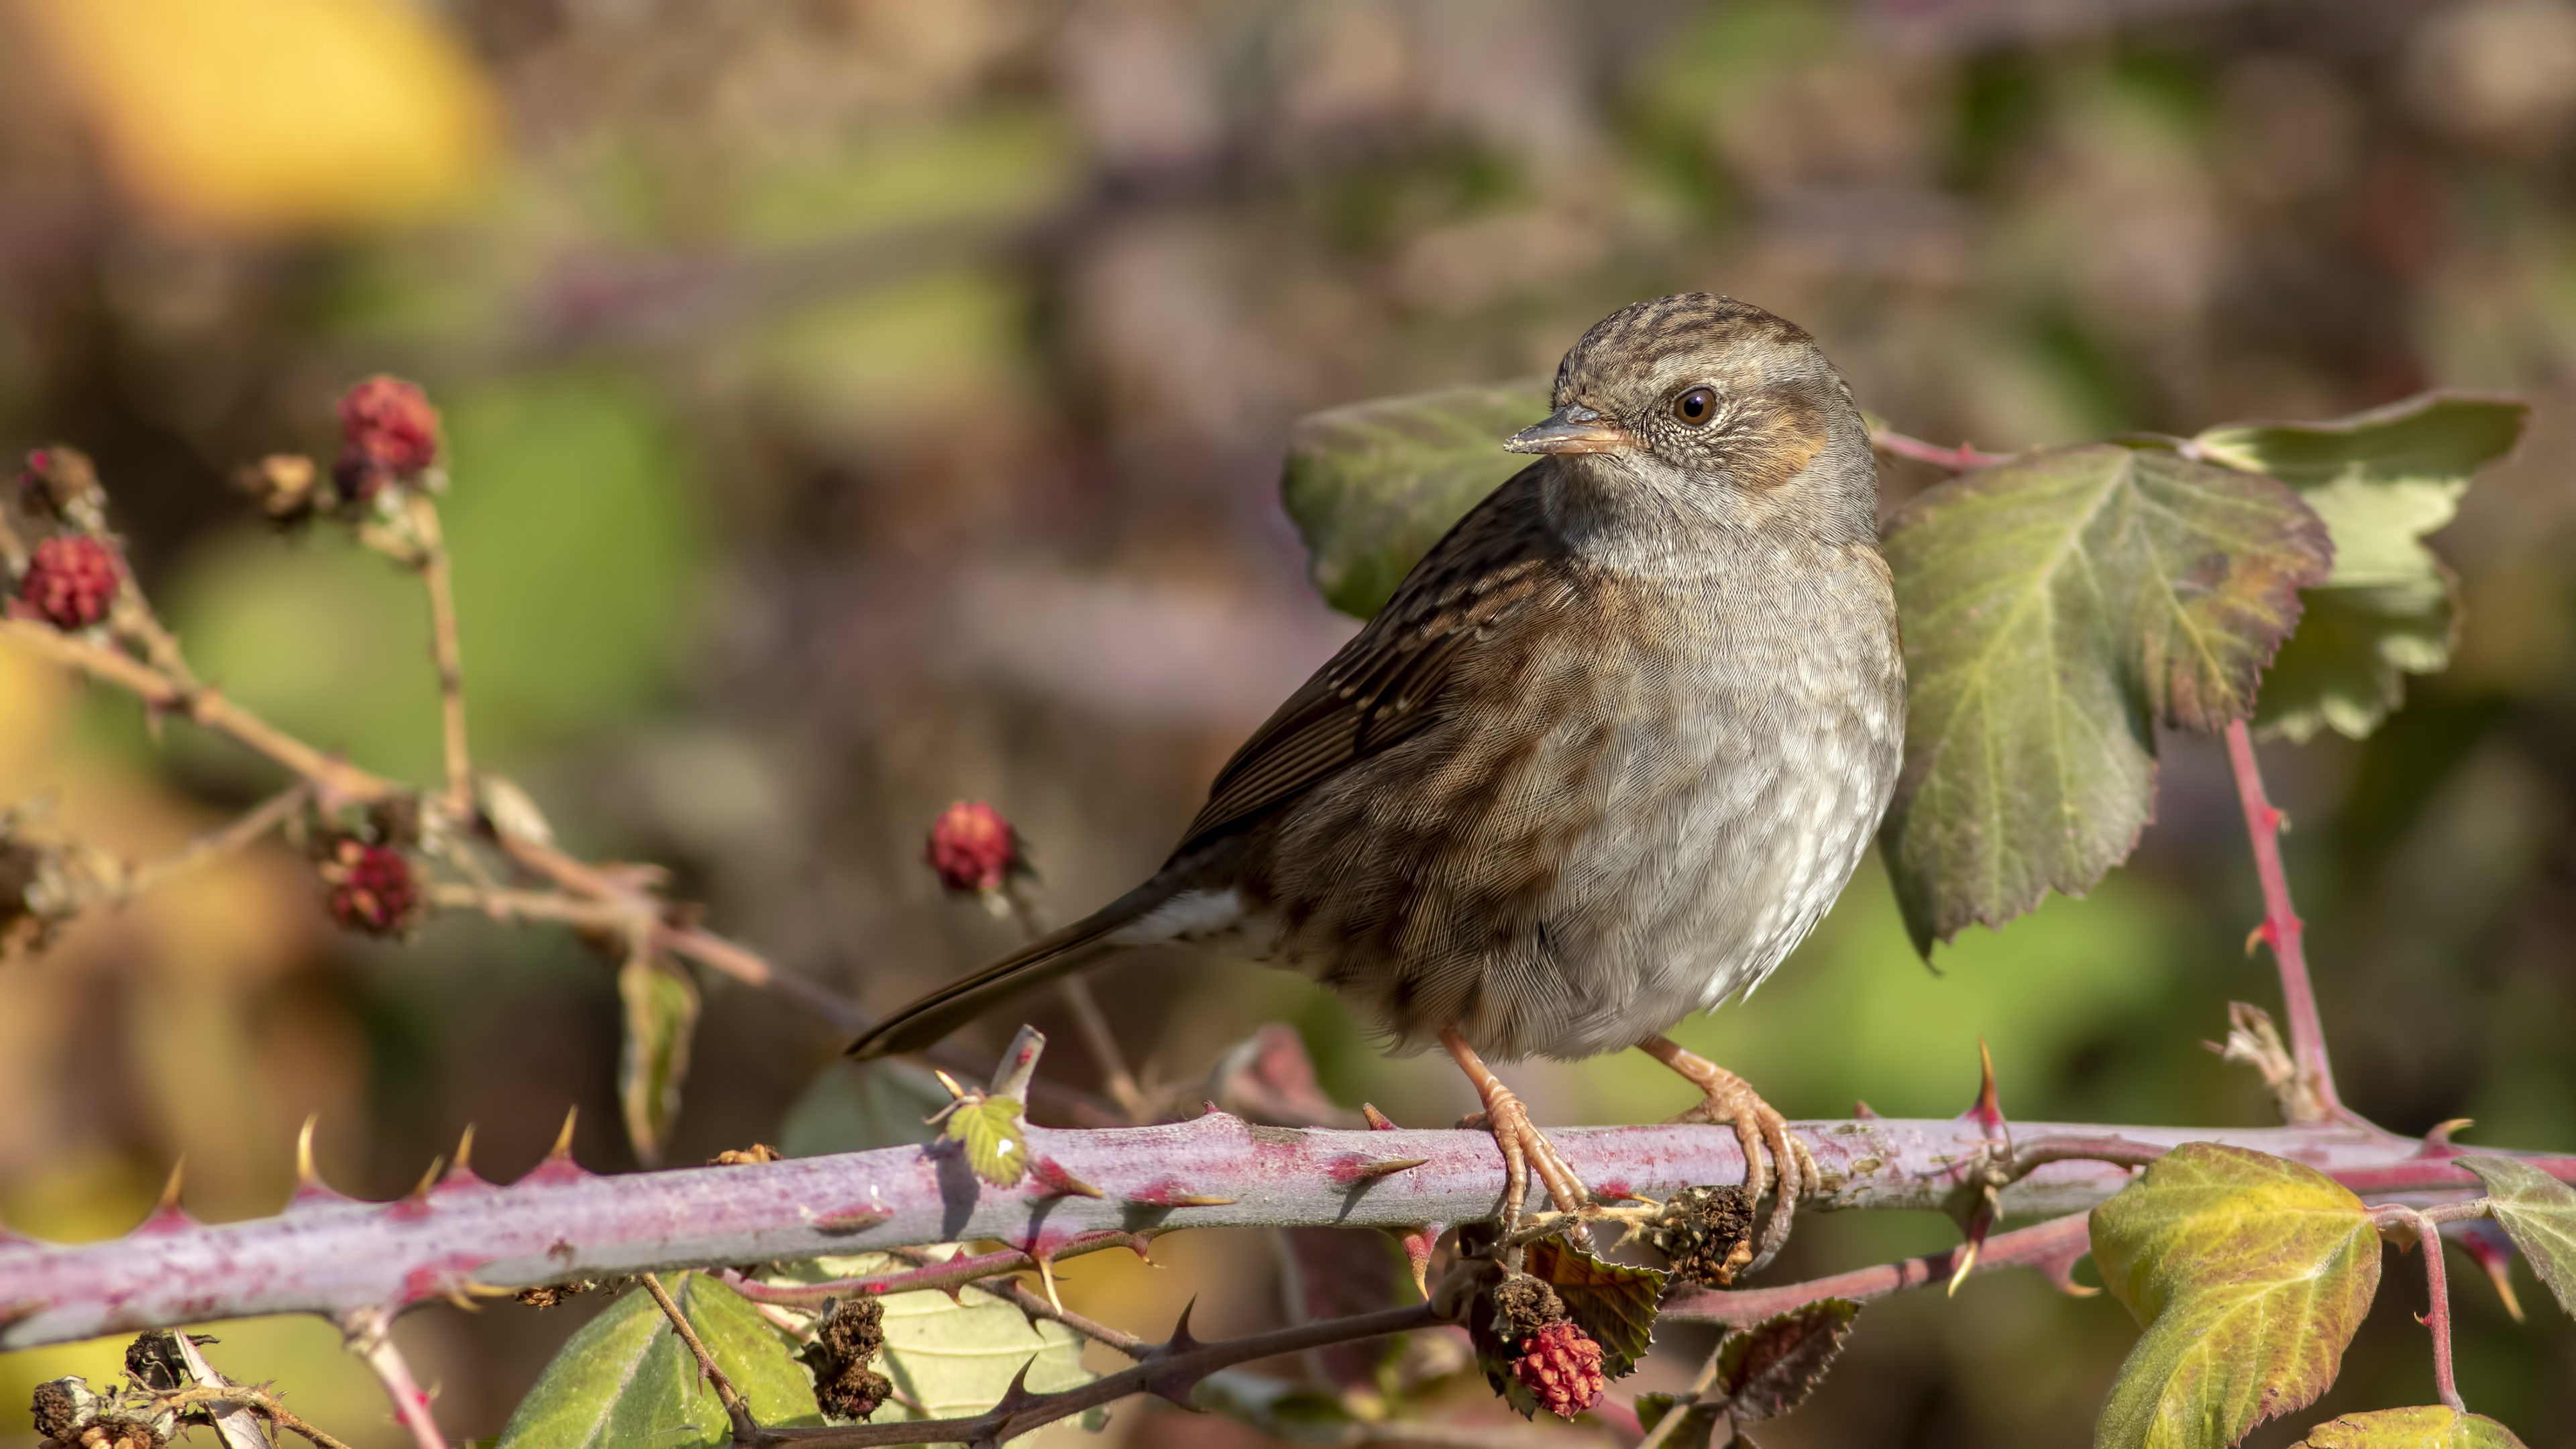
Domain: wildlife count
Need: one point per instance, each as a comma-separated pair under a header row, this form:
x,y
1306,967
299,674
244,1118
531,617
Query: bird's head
x,y
1713,406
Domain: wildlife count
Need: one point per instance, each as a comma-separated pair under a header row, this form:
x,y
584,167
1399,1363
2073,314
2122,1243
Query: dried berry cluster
x,y
973,848
846,1341
1707,1232
69,1416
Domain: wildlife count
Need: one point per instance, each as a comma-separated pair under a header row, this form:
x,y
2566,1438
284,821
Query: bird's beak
x,y
1571,430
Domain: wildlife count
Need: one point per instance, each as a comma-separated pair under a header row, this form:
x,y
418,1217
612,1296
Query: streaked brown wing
x,y
1391,679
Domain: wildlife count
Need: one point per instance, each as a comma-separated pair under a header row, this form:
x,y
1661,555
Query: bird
x,y
1613,747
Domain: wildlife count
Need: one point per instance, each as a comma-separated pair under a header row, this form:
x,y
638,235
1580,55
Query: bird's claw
x,y
1763,1133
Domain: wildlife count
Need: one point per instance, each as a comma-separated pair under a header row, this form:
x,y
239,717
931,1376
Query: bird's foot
x,y
1761,1130
1523,1146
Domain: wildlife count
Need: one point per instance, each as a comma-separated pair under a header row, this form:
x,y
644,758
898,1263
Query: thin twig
x,y
1035,1305
369,1334
337,779
1958,459
437,578
2437,1314
259,1401
746,1429
1120,1082
2038,1152
238,836
955,1273
2313,1098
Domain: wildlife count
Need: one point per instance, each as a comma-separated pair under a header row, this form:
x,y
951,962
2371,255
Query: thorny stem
x,y
1170,1369
1957,459
1674,1417
2437,1313
746,1429
369,1332
2313,1098
437,578
259,1401
2052,1247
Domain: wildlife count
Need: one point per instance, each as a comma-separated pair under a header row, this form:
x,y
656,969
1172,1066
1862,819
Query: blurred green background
x,y
856,405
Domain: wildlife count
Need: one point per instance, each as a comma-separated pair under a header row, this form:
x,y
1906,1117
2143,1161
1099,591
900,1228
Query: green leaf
x,y
661,1015
2539,1213
1613,1302
2381,480
856,1106
625,1378
2057,607
1372,486
958,1358
995,1146
1768,1369
2249,1273
1698,1428
2430,1428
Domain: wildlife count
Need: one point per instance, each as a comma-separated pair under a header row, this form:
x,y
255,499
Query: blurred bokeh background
x,y
856,405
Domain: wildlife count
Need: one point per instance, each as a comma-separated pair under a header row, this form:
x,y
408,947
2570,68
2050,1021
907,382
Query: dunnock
x,y
1611,750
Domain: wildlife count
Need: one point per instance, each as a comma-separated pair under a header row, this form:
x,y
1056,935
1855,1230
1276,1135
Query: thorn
x,y
1417,1244
1376,1119
2439,1139
1353,1170
1017,1396
456,1295
1864,1111
428,1179
1181,1341
306,1176
1050,1174
1988,1113
1046,1278
1968,1251
956,1091
1168,1194
310,1189
2487,1244
463,1170
562,1150
167,1216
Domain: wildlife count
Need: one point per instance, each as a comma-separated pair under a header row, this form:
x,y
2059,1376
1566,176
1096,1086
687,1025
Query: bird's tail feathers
x,y
1048,958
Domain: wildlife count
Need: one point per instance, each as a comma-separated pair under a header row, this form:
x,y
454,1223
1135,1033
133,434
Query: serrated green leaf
x,y
2381,480
995,1146
957,1358
625,1378
2057,607
1612,1302
1372,486
856,1106
2249,1274
2428,1428
1768,1369
2539,1213
661,1016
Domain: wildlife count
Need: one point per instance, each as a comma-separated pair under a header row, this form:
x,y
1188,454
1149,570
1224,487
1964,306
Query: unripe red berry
x,y
1561,1367
388,434
373,888
70,582
973,848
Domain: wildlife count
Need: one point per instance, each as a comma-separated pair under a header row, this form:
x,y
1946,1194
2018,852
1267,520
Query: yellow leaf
x,y
274,115
2250,1274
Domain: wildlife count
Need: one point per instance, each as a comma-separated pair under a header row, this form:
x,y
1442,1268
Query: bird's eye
x,y
1695,406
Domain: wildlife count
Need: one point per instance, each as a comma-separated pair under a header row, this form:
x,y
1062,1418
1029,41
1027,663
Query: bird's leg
x,y
1523,1145
1758,1125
